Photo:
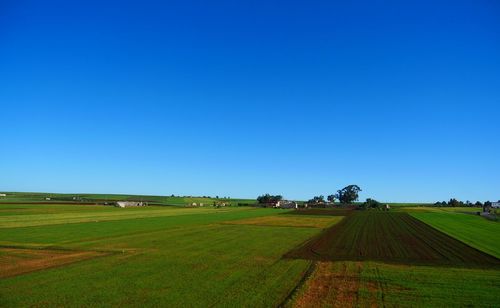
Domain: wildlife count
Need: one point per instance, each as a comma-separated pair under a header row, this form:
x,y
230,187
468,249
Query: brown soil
x,y
286,221
17,261
331,285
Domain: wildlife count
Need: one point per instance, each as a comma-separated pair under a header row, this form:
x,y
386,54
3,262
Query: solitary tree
x,y
331,198
348,194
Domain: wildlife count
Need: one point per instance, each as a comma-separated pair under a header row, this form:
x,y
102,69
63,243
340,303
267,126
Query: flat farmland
x,y
87,255
381,259
390,237
190,257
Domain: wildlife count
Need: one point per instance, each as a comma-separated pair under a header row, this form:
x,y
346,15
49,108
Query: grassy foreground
x,y
377,284
155,257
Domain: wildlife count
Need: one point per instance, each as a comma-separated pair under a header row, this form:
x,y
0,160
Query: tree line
x,y
457,203
346,195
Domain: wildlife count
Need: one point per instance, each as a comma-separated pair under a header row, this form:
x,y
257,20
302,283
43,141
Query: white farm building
x,y
130,203
285,204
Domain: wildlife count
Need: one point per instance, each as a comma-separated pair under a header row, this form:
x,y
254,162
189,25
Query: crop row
x,y
390,237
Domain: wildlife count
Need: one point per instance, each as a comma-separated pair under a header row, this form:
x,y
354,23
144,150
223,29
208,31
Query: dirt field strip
x,y
16,261
332,284
322,212
288,221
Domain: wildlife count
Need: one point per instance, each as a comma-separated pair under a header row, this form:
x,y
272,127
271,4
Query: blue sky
x,y
240,98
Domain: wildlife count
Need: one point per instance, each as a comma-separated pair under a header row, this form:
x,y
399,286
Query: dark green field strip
x,y
390,237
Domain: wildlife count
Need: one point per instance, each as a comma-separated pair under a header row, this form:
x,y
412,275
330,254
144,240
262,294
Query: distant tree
x,y
216,197
371,204
331,198
478,204
317,199
267,198
348,194
455,203
486,206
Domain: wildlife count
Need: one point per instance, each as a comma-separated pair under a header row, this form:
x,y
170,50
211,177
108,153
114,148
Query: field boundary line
x,y
307,274
69,249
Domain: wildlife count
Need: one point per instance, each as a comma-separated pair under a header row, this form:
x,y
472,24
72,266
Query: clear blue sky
x,y
240,98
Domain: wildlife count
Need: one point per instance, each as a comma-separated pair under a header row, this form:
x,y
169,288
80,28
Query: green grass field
x,y
87,255
157,256
474,230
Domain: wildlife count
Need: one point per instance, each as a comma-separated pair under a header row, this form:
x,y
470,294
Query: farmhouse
x,y
3,195
285,204
130,203
495,205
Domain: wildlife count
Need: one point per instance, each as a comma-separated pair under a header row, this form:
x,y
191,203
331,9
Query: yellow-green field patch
x,y
103,213
289,221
